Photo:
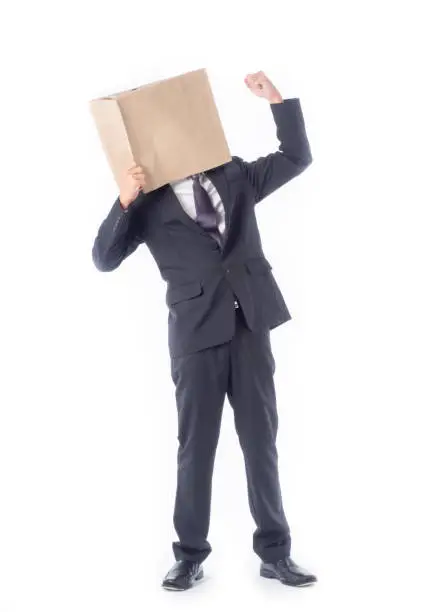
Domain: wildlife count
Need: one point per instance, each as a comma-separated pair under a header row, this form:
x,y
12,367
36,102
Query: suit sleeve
x,y
118,236
269,173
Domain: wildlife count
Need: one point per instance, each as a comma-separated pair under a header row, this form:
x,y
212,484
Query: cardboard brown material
x,y
171,128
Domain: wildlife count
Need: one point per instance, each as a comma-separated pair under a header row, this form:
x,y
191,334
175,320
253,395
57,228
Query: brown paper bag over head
x,y
171,128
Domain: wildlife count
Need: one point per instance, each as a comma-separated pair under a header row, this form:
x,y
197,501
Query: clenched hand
x,y
262,86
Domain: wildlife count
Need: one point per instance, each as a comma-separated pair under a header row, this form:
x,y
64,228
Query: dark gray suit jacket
x,y
203,277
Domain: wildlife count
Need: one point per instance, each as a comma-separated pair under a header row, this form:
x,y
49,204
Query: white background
x,y
88,436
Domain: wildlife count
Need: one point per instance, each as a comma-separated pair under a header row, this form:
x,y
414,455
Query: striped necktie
x,y
206,215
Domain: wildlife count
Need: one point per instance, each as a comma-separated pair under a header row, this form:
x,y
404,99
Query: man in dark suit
x,y
223,301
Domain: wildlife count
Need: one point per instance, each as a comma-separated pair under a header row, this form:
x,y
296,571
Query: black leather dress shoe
x,y
183,575
287,572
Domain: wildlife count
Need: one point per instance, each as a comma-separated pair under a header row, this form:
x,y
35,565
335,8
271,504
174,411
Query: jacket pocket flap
x,y
259,265
179,293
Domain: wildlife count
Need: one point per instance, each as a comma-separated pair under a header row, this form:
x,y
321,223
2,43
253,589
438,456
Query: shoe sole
x,y
170,587
272,576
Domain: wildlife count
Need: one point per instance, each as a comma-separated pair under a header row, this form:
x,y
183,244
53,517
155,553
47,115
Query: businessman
x,y
223,301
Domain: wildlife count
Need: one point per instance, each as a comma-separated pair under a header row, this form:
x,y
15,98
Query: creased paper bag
x,y
171,128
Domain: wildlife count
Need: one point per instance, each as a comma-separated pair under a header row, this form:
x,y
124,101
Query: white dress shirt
x,y
184,192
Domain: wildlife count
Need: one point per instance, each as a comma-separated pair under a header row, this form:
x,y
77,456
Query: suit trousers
x,y
242,369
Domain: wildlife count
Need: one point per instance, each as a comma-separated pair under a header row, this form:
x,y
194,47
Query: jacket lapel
x,y
177,210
